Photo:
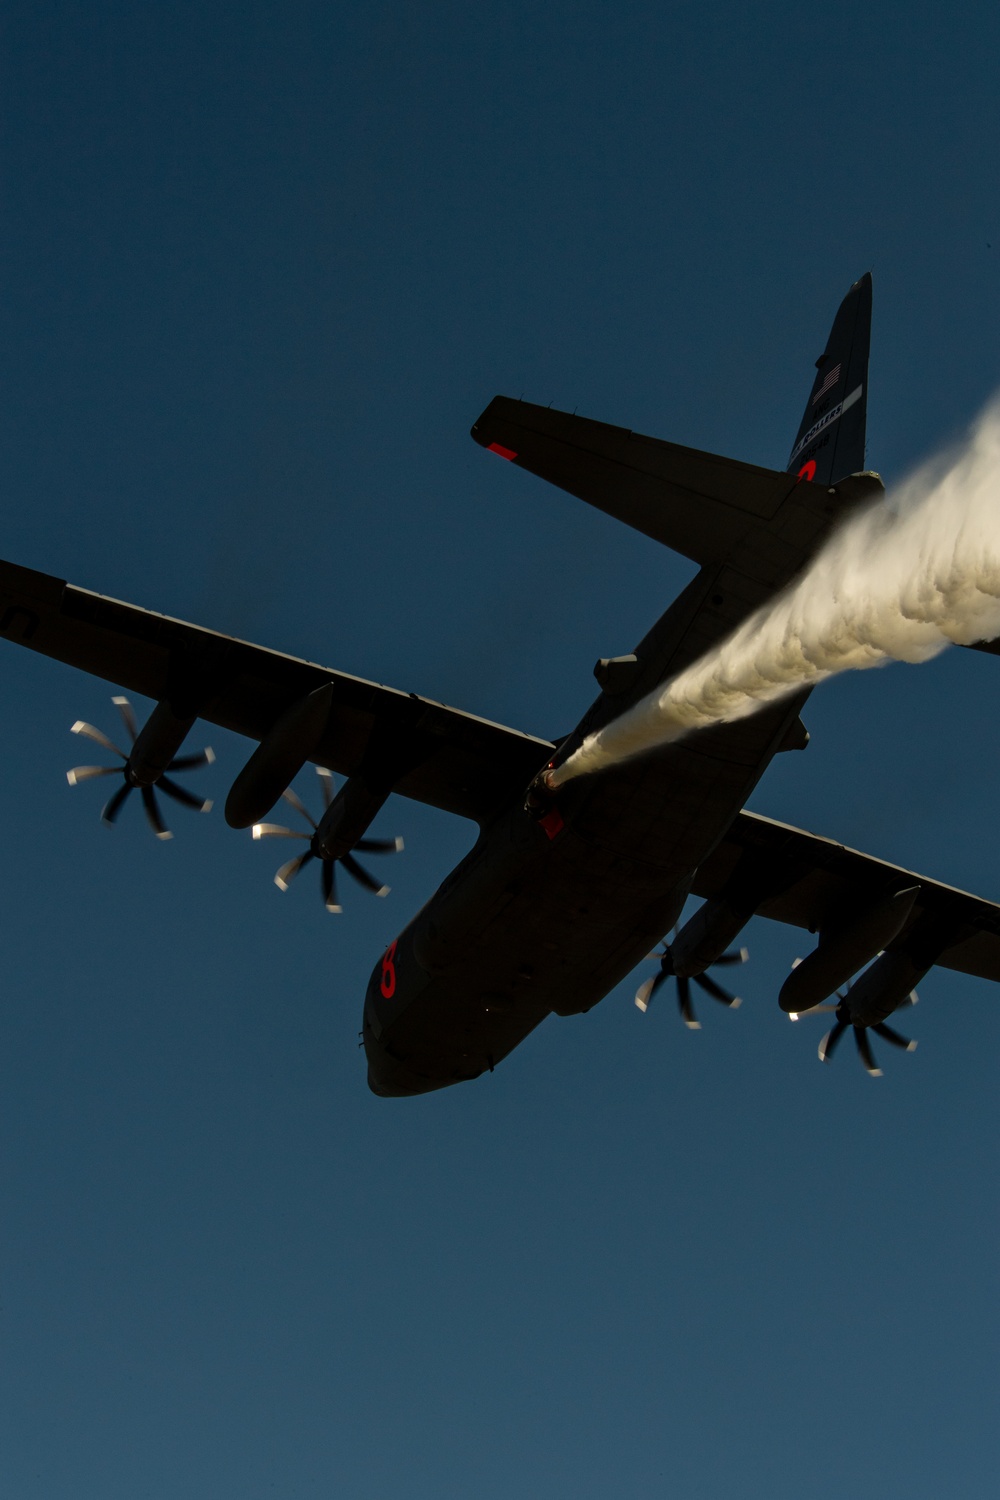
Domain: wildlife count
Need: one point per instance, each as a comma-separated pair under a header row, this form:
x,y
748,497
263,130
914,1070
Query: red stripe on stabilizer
x,y
507,453
552,823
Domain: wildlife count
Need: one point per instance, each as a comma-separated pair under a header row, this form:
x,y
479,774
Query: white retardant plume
x,y
900,580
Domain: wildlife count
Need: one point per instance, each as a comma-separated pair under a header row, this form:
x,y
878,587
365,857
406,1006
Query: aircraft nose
x,y
390,1078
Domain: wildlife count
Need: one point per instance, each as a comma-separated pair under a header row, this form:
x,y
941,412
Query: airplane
x,y
563,894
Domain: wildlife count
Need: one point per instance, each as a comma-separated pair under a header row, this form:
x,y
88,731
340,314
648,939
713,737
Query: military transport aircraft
x,y
563,894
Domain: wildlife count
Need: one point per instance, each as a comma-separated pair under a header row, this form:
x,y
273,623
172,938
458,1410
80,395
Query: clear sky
x,y
262,267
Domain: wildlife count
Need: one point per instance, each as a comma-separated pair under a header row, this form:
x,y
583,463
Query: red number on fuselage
x,y
388,985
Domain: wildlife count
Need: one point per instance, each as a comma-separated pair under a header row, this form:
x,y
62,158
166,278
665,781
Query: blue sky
x,y
262,268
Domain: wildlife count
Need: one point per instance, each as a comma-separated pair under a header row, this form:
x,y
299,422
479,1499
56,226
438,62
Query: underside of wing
x,y
812,882
424,750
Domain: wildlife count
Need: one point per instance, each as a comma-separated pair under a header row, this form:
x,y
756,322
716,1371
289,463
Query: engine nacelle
x,y
348,817
883,987
704,939
278,758
156,745
844,950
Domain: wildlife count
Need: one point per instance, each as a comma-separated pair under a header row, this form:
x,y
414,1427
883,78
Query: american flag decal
x,y
829,382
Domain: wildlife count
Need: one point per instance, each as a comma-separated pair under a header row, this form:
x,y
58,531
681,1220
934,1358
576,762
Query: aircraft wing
x,y
452,760
697,503
810,881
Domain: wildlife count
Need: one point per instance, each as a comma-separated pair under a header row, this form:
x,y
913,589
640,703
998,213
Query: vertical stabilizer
x,y
830,442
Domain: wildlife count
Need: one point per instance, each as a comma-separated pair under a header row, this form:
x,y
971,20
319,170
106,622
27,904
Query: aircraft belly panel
x,y
557,946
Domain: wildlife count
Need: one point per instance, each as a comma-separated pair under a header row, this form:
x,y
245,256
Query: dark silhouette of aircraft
x,y
563,894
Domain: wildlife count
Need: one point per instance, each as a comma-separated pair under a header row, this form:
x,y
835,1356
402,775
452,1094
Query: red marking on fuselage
x,y
808,470
507,453
388,985
552,822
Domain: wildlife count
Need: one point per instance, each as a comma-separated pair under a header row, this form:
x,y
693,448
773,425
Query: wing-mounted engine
x,y
889,982
704,940
845,946
878,981
699,945
145,765
341,830
374,771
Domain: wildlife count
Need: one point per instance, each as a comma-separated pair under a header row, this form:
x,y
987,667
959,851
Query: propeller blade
x,y
87,773
379,846
124,707
894,1037
192,762
289,871
708,984
330,886
865,1052
91,733
648,989
295,801
112,808
361,875
326,782
179,794
684,1001
152,807
726,959
277,831
829,1044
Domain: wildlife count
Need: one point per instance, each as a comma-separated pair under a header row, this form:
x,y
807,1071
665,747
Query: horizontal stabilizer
x,y
698,503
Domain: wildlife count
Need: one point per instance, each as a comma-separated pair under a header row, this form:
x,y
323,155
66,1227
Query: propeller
x,y
649,987
845,1021
117,801
328,882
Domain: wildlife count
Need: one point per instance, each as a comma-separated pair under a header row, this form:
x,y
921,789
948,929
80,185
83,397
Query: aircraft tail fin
x,y
830,442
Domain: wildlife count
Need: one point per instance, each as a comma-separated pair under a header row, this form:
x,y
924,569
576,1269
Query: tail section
x,y
830,443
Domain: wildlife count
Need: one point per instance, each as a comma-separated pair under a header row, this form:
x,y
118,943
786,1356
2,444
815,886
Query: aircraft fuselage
x,y
548,916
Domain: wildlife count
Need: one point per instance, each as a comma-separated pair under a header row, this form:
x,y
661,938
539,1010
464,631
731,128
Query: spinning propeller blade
x,y
644,994
115,804
328,882
845,1022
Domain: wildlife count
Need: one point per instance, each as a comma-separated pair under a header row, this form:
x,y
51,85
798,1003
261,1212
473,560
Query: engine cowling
x,y
703,939
883,987
156,745
278,758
